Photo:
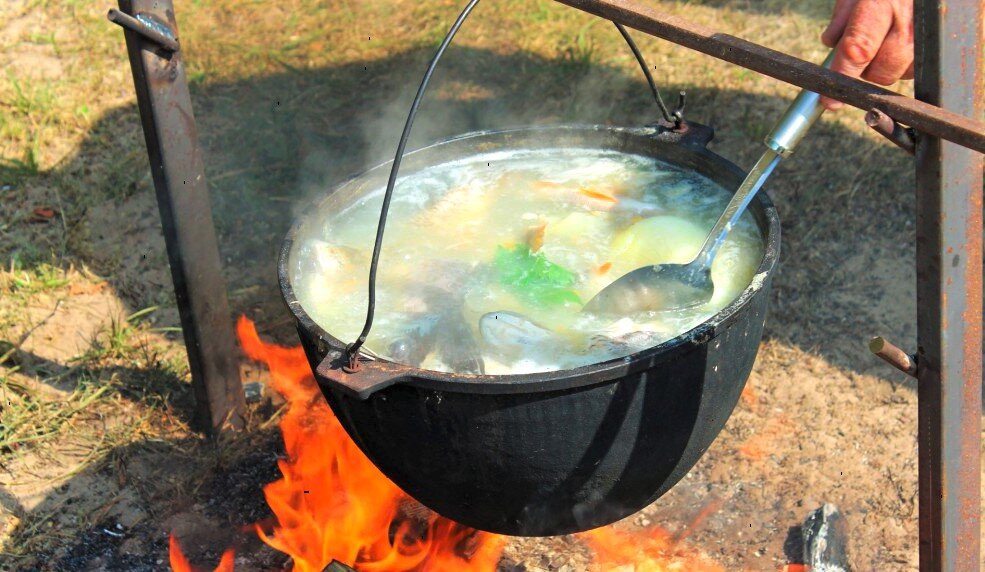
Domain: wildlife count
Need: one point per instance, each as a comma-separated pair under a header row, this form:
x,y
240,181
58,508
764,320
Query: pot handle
x,y
367,378
688,133
676,119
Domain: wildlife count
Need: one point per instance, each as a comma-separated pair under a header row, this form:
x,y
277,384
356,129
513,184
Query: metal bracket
x,y
903,137
894,356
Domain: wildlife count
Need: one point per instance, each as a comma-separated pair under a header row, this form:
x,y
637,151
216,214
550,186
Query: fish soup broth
x,y
487,261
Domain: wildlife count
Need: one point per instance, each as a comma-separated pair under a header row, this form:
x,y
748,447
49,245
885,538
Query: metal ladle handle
x,y
781,142
797,120
352,350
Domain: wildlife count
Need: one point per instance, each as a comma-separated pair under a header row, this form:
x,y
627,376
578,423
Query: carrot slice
x,y
535,237
545,185
593,194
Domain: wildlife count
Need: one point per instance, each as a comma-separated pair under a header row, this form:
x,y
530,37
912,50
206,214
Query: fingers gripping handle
x,y
797,120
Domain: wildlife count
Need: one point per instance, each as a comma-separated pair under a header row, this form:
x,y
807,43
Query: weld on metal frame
x,y
946,116
186,215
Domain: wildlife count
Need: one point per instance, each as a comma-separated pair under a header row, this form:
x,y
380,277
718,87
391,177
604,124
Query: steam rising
x,y
472,89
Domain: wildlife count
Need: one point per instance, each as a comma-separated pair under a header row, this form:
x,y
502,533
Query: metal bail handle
x,y
352,350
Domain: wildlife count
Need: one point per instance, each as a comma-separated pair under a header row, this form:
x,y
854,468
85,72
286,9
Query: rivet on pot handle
x,y
371,375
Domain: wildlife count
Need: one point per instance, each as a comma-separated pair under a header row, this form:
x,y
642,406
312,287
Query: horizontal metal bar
x,y
923,117
133,24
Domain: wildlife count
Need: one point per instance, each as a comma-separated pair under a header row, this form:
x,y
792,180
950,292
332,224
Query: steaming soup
x,y
487,261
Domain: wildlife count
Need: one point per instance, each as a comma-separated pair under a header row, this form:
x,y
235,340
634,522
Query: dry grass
x,y
290,96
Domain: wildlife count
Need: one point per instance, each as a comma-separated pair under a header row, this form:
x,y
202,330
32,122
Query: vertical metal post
x,y
949,288
186,216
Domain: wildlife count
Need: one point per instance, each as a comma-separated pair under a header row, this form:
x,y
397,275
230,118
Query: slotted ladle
x,y
666,287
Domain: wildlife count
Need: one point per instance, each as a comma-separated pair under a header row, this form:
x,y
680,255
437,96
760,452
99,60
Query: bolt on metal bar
x,y
186,217
968,131
949,74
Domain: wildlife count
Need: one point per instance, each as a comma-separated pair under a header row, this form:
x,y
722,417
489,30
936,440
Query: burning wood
x,y
824,540
336,566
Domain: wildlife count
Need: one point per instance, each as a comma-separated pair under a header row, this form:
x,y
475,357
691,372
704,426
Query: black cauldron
x,y
559,452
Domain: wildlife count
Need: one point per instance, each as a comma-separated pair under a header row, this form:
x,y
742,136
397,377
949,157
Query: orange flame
x,y
760,444
654,551
333,503
180,564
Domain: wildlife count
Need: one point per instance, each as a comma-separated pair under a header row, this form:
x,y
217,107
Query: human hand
x,y
874,40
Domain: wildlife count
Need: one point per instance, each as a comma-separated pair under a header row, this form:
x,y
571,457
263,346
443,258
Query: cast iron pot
x,y
560,452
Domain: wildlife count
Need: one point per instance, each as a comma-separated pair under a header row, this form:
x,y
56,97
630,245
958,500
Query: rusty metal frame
x,y
947,138
921,115
186,215
948,68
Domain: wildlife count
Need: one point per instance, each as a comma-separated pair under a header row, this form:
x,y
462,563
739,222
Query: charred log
x,y
336,566
825,540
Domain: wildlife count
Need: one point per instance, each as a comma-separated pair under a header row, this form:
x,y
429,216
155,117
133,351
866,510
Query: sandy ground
x,y
822,420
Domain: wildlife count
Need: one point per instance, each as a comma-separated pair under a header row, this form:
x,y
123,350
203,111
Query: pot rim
x,y
566,378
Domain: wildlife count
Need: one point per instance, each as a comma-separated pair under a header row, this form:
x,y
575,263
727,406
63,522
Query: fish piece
x,y
456,219
573,241
616,346
440,329
637,207
456,345
332,258
514,337
416,343
596,199
601,343
440,277
641,340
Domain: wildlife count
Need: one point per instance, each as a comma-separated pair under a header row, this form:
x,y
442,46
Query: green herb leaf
x,y
535,278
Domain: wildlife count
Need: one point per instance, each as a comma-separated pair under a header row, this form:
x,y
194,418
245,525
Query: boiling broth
x,y
487,261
